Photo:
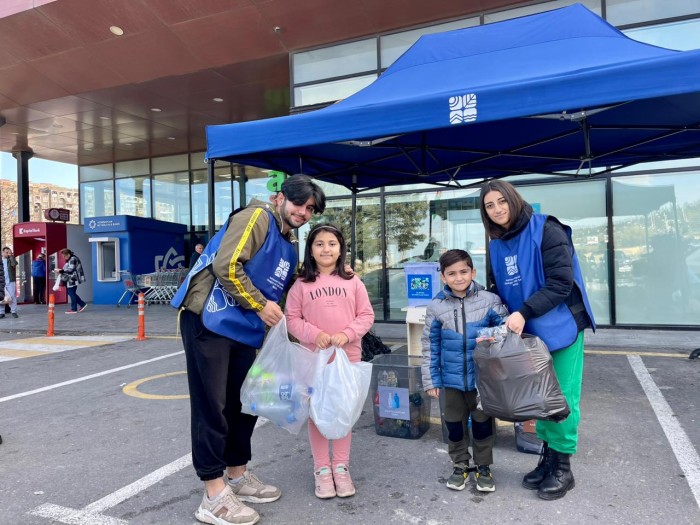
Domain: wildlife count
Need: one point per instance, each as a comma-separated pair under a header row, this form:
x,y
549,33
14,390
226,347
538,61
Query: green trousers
x,y
568,365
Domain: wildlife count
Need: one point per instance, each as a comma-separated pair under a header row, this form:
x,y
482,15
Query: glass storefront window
x,y
256,185
331,91
581,205
421,227
96,199
131,168
393,46
170,164
171,198
656,226
200,203
623,12
593,5
682,36
335,61
96,172
134,196
225,197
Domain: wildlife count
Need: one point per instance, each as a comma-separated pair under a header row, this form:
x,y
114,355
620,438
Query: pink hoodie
x,y
330,304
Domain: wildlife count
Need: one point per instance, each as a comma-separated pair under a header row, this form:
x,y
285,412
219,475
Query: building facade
x,y
637,232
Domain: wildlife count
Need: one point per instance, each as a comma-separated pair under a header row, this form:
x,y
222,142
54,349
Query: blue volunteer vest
x,y
270,270
517,268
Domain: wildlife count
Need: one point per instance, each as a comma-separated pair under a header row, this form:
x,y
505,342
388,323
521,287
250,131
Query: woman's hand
x,y
340,339
323,340
433,392
516,323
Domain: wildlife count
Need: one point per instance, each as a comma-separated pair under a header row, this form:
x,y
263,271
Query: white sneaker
x,y
225,509
251,489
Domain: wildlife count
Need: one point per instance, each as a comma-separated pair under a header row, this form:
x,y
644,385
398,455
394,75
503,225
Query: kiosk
x,y
50,237
125,245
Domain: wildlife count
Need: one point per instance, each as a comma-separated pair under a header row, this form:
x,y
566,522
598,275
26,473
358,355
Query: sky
x,y
41,170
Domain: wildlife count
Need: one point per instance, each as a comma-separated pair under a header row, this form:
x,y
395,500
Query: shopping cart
x,y
131,288
162,285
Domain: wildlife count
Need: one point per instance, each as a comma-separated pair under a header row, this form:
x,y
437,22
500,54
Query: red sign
x,y
57,214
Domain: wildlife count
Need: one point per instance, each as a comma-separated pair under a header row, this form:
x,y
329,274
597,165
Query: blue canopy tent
x,y
547,93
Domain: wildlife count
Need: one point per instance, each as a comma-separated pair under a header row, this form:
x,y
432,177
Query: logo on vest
x,y
282,270
219,299
511,264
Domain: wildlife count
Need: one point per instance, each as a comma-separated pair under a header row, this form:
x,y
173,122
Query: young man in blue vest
x,y
229,296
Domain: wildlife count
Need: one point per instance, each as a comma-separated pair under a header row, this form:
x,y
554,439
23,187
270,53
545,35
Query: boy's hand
x,y
433,392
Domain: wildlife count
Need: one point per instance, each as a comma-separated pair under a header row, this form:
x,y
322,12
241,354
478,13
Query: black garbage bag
x,y
516,379
372,345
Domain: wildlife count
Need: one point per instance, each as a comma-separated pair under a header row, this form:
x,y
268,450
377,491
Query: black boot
x,y
560,479
533,479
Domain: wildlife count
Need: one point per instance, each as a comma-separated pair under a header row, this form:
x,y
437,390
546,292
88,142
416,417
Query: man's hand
x,y
433,392
339,339
271,314
516,323
323,340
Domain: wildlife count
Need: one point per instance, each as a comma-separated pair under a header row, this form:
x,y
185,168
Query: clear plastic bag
x,y
279,384
340,390
516,379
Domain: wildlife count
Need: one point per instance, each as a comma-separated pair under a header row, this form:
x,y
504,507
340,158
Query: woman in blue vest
x,y
536,272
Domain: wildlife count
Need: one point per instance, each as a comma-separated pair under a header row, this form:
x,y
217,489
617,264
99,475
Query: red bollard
x,y
141,336
52,305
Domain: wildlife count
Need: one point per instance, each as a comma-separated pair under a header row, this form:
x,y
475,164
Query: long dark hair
x,y
308,270
516,205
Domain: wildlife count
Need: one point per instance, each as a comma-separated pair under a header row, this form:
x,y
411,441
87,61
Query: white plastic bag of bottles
x,y
280,381
340,390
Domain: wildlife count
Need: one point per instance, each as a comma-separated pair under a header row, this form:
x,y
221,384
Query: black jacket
x,y
558,272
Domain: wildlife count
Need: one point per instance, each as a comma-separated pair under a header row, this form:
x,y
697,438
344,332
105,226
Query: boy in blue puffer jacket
x,y
452,322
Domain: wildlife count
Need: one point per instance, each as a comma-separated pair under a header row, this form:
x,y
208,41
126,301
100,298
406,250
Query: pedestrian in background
x,y
72,274
537,274
9,265
198,249
39,278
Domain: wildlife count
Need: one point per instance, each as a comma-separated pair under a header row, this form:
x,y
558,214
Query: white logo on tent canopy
x,y
463,108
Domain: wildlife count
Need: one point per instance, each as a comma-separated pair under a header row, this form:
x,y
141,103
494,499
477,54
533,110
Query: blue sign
x,y
105,224
393,403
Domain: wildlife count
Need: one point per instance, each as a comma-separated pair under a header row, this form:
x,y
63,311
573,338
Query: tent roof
x,y
560,90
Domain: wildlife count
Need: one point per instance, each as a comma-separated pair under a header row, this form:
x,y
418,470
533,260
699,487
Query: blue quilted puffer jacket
x,y
449,336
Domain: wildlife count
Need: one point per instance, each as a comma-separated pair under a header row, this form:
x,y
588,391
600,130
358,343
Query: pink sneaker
x,y
343,482
324,483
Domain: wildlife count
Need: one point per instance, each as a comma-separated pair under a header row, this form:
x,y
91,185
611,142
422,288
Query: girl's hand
x,y
516,323
323,340
433,392
340,339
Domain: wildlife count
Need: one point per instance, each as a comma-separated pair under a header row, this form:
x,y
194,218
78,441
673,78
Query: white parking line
x,y
91,514
687,456
85,378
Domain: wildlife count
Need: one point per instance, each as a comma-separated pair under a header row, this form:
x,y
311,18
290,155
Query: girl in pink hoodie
x,y
328,307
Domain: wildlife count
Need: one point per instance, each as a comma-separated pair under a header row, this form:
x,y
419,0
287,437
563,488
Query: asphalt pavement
x,y
95,427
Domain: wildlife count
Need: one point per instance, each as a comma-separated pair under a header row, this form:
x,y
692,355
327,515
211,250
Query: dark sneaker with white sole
x,y
458,479
484,479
